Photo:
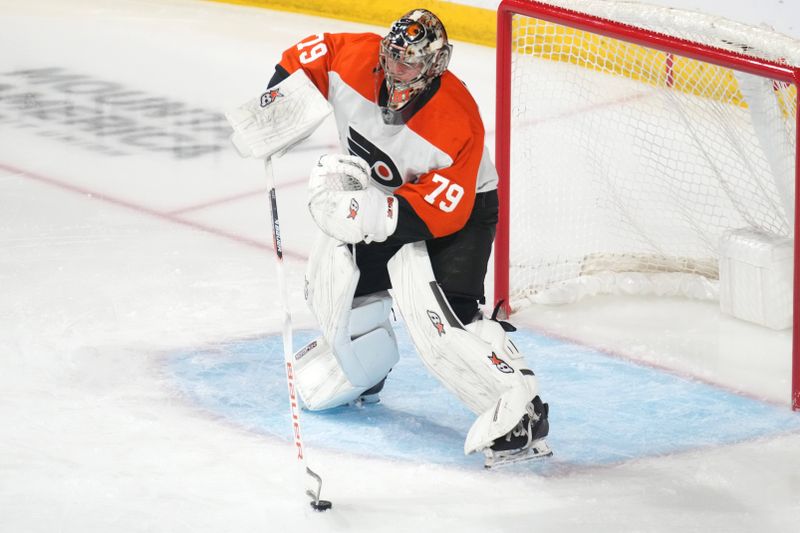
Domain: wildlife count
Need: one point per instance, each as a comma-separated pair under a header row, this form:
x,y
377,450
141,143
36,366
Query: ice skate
x,y
525,442
371,395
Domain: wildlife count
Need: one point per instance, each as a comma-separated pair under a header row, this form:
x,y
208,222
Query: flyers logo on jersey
x,y
270,96
437,322
383,169
500,365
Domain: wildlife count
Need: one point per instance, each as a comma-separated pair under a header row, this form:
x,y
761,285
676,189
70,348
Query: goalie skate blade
x,y
538,450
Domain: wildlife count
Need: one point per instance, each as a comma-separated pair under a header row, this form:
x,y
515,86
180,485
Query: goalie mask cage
x,y
630,138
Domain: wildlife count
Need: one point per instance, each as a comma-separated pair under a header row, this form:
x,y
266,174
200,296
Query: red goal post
x,y
561,24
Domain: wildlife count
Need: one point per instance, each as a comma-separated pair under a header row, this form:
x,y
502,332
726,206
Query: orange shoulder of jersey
x,y
353,56
443,198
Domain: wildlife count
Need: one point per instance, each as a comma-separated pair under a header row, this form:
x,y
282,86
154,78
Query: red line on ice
x,y
233,198
167,216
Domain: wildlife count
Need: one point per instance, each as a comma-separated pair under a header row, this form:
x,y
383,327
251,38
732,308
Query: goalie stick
x,y
313,490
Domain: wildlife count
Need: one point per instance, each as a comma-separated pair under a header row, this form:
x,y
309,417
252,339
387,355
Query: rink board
x,y
603,410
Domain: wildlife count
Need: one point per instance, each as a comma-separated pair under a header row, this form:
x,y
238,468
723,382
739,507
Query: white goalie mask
x,y
413,54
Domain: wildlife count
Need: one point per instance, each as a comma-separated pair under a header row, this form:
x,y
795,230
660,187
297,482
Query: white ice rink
x,y
130,231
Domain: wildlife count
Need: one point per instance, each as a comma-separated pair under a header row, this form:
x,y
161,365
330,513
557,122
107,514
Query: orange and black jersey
x,y
435,163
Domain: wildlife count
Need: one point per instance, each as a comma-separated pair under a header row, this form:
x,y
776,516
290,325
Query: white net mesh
x,y
628,164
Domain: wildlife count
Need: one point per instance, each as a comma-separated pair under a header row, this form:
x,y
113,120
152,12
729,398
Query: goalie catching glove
x,y
345,205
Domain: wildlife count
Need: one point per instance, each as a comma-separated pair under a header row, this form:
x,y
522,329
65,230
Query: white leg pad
x,y
319,377
500,418
477,362
357,347
331,280
322,381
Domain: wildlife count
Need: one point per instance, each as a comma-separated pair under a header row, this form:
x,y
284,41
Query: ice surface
x,y
644,411
138,310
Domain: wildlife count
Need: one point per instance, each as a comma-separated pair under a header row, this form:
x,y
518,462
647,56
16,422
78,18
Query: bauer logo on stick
x,y
276,225
437,322
270,96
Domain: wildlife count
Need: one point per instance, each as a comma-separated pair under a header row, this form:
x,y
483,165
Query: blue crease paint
x,y
603,410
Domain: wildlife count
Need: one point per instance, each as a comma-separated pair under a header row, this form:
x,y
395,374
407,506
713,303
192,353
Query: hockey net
x,y
630,140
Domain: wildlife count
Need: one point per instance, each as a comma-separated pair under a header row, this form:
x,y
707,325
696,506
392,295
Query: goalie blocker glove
x,y
278,119
345,205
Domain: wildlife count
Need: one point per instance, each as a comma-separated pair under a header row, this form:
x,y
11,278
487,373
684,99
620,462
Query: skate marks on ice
x,y
603,410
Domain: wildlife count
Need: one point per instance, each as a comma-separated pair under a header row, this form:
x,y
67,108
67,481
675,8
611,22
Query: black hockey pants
x,y
459,260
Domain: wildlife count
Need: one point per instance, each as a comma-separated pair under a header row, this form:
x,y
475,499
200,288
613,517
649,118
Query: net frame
x,y
728,58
